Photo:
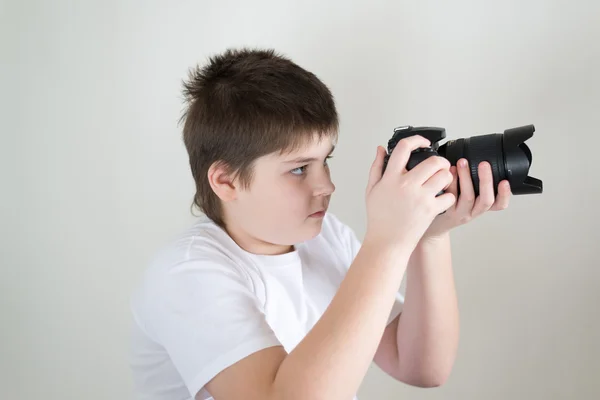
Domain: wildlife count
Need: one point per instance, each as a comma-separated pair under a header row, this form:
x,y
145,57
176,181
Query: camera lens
x,y
508,155
477,149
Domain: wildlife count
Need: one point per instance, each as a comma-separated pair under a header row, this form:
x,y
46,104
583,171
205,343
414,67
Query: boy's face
x,y
278,209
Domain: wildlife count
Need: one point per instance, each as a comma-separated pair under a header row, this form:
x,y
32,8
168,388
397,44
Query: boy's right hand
x,y
401,204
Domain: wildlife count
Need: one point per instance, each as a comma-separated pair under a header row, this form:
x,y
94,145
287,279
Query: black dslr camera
x,y
507,153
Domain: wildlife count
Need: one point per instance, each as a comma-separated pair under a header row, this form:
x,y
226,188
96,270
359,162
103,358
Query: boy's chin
x,y
312,229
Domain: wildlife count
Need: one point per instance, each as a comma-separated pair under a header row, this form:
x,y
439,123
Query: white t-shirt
x,y
205,304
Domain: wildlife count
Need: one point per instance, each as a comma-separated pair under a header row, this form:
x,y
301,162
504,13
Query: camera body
x,y
433,134
507,153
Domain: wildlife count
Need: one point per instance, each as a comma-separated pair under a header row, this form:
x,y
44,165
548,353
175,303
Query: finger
x,y
503,198
453,187
401,153
466,200
439,181
376,167
486,189
428,168
445,201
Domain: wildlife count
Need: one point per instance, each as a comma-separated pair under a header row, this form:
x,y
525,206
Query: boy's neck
x,y
254,245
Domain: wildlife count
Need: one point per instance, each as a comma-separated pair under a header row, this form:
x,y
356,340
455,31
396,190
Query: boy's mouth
x,y
318,214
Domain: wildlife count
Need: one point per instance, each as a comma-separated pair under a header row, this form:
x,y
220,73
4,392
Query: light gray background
x,y
95,176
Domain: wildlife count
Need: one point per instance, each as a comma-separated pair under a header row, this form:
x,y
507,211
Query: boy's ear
x,y
221,182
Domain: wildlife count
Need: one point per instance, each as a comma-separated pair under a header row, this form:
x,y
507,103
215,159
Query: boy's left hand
x,y
467,206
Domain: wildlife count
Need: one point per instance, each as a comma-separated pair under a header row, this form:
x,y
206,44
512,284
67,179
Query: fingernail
x,y
462,163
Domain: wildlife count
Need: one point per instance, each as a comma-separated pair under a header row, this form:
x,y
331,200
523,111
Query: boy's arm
x,y
332,360
419,346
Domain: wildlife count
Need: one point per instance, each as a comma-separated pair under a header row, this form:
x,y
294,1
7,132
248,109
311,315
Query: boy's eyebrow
x,y
307,159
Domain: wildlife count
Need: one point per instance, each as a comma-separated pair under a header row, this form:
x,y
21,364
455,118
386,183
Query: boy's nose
x,y
324,188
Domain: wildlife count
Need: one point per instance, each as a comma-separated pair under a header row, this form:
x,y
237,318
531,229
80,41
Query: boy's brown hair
x,y
244,104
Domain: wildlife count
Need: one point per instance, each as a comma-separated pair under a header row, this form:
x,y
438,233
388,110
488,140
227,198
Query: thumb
x,y
375,173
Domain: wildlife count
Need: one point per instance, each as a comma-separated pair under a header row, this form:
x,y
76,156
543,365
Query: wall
x,y
95,175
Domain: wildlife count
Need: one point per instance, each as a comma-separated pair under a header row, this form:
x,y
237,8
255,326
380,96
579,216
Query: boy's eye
x,y
301,170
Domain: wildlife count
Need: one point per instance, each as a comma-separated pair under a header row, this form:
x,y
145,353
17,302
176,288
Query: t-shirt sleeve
x,y
208,317
352,245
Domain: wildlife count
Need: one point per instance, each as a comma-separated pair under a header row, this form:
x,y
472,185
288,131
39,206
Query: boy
x,y
269,296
